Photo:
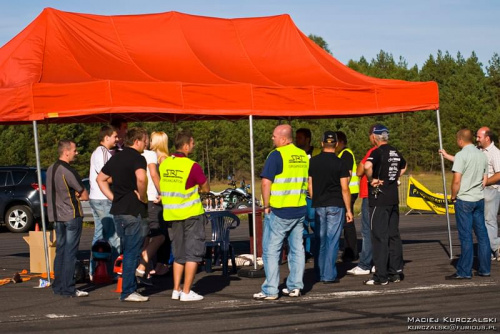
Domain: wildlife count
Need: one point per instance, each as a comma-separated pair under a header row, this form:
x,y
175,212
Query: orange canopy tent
x,y
170,65
67,67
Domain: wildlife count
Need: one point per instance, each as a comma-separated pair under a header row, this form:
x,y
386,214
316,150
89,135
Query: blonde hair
x,y
159,144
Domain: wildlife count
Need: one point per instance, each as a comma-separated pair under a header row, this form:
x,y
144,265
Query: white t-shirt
x,y
99,157
151,158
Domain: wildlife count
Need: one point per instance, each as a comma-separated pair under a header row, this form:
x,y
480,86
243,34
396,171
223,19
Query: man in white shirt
x,y
492,189
100,204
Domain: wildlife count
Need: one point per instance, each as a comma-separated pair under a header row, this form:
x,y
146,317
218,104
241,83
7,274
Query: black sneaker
x,y
395,278
375,282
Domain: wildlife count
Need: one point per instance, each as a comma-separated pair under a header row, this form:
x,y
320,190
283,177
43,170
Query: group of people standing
x,y
475,192
134,193
330,178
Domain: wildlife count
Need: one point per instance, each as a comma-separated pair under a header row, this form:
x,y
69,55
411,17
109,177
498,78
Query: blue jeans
x,y
67,241
104,229
308,224
491,202
276,229
132,231
365,257
329,223
470,216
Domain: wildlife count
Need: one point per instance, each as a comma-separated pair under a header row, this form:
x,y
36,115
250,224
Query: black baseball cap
x,y
329,137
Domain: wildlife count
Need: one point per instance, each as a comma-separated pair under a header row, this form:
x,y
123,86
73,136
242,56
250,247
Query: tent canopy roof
x,y
172,65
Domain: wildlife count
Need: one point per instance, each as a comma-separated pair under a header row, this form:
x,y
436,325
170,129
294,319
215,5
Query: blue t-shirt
x,y
272,167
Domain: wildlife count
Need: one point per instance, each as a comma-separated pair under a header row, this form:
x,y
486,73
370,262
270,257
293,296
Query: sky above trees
x,y
410,29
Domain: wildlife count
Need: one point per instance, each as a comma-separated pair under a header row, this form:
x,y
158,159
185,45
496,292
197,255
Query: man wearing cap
x,y
383,168
350,238
331,198
284,188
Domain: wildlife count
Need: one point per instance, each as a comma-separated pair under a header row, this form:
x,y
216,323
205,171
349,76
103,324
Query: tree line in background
x,y
469,97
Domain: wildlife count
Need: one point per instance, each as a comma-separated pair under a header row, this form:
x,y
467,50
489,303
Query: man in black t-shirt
x,y
127,170
383,168
329,190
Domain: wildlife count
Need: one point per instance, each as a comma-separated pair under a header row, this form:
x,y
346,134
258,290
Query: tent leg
x,y
40,193
254,272
444,182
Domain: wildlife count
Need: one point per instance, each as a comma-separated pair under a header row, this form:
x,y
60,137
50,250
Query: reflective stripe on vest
x,y
289,188
178,202
354,182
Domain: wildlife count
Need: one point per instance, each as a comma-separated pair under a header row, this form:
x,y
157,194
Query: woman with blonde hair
x,y
157,242
159,144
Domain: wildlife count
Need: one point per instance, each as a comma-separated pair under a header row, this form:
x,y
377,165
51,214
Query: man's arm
x,y
455,185
103,182
310,186
84,195
266,193
447,156
493,179
142,184
346,195
360,170
205,187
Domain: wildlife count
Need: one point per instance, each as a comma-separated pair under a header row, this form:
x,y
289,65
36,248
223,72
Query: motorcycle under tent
x,y
71,67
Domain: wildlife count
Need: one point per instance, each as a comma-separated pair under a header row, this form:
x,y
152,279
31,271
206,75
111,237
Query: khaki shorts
x,y
188,239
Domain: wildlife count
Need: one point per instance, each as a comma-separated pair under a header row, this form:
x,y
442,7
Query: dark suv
x,y
19,198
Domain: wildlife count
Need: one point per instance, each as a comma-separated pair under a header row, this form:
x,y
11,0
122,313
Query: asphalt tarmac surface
x,y
423,302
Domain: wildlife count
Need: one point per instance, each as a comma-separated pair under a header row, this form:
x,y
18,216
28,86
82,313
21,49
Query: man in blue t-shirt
x,y
284,190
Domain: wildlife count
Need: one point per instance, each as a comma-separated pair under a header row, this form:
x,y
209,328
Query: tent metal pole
x,y
252,171
444,182
40,193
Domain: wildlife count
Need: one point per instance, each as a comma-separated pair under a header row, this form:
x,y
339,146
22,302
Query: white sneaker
x,y
176,294
358,271
80,293
135,297
190,297
262,296
373,269
293,293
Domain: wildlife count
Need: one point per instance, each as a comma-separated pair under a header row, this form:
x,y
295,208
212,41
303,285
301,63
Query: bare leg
x,y
191,268
150,250
178,271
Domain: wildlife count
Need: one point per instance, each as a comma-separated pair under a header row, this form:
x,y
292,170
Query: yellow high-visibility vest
x,y
178,202
289,188
354,182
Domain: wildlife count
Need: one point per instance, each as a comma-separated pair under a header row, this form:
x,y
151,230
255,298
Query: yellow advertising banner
x,y
421,198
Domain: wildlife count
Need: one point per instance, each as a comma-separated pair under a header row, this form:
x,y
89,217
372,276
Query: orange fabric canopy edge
x,y
66,66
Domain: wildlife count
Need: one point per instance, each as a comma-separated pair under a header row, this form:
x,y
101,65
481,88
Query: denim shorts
x,y
188,239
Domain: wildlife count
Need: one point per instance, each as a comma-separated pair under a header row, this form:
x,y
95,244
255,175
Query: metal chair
x,y
222,222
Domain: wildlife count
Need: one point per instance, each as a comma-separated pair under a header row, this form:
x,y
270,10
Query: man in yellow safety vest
x,y
180,180
284,189
350,240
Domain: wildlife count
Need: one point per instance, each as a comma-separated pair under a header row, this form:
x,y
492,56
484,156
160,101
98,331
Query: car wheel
x,y
19,218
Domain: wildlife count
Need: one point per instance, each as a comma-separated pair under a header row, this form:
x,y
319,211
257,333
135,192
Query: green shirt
x,y
473,165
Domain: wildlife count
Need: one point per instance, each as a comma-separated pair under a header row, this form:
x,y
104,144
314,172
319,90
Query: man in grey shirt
x,y
65,190
470,170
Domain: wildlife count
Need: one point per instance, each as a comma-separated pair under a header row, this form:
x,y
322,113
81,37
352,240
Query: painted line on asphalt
x,y
364,293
